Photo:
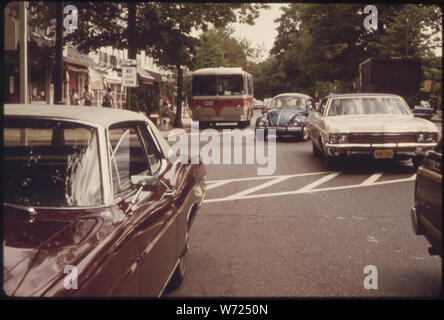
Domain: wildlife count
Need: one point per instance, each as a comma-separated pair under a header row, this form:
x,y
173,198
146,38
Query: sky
x,y
263,32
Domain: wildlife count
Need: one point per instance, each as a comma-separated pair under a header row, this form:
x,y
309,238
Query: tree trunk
x,y
132,51
178,120
58,85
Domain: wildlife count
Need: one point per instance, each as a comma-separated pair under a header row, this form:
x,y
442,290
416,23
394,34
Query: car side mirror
x,y
147,183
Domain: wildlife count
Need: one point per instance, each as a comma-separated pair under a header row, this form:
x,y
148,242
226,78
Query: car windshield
x,y
222,85
367,106
289,103
50,163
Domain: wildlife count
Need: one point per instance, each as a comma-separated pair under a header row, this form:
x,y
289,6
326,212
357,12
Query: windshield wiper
x,y
29,210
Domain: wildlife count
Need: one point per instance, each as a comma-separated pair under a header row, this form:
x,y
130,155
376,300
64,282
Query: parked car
x,y
426,214
258,104
92,190
381,126
424,110
286,115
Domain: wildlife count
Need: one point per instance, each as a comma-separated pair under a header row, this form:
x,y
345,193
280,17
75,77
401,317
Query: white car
x,y
381,126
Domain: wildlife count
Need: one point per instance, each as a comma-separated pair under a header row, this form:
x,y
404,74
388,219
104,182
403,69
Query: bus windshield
x,y
223,85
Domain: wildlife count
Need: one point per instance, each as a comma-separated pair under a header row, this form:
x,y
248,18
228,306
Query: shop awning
x,y
112,78
144,75
96,79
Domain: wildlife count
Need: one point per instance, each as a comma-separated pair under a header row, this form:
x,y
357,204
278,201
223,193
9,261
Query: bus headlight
x,y
197,108
238,107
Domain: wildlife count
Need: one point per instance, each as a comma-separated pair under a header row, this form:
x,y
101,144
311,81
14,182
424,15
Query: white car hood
x,y
378,123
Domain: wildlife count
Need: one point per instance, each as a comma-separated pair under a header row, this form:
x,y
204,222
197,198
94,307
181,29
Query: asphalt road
x,y
305,232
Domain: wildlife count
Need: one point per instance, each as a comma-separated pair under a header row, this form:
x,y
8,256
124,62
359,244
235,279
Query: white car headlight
x,y
333,138
343,138
261,122
431,137
421,137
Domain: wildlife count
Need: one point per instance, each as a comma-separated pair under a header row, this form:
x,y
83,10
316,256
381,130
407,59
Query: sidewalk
x,y
186,121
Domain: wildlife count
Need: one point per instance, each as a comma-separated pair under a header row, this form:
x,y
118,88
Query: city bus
x,y
222,95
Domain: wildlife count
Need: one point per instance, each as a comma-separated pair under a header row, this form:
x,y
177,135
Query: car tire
x,y
203,124
329,162
316,152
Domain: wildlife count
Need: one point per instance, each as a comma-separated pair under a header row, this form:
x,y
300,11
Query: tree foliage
x,y
320,46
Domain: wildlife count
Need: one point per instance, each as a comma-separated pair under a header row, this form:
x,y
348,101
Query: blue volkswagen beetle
x,y
286,114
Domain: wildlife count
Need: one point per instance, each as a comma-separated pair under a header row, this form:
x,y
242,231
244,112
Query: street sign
x,y
129,77
128,62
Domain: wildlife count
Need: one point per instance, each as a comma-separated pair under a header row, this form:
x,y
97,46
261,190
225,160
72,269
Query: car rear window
x,y
51,163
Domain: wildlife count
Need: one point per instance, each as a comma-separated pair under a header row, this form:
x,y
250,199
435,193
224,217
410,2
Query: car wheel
x,y
316,152
417,161
203,124
329,162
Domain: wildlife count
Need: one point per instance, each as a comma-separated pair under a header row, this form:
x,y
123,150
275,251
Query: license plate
x,y
217,118
384,154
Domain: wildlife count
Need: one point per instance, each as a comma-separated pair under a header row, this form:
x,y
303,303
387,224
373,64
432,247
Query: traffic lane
x,y
293,156
315,245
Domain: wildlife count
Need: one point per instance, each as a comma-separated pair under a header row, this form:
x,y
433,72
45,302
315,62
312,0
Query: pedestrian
x,y
75,98
108,100
88,96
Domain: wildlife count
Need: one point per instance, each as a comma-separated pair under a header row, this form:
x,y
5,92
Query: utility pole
x,y
58,85
178,120
23,20
132,51
407,37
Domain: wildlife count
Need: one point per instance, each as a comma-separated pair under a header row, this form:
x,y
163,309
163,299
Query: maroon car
x,y
92,205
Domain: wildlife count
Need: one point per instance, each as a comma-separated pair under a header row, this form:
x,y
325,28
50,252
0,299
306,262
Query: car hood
x,y
280,117
378,123
37,248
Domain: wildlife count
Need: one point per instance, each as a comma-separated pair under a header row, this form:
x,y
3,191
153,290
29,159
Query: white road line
x,y
269,177
276,194
216,184
256,188
372,179
318,182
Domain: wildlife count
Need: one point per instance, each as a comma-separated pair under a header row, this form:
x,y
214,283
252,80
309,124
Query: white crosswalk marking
x,y
372,179
256,188
318,182
310,188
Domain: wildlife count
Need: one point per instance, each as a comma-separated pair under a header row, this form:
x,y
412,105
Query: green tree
x,y
320,45
217,47
163,29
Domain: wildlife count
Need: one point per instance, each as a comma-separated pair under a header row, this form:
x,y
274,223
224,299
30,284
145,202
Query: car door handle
x,y
169,193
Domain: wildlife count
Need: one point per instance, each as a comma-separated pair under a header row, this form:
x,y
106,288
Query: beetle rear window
x,y
51,163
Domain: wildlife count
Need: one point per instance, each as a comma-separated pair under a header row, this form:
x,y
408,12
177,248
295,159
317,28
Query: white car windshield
x,y
367,106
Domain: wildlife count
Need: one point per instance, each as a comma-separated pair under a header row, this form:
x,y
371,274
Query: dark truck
x,y
398,76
